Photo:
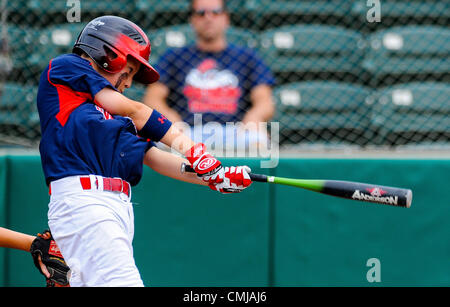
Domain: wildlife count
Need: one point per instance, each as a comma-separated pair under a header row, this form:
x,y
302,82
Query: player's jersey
x,y
216,85
79,137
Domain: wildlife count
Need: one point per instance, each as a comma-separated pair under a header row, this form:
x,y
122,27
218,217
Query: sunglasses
x,y
202,12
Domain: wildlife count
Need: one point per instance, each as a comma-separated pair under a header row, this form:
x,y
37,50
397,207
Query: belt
x,y
109,184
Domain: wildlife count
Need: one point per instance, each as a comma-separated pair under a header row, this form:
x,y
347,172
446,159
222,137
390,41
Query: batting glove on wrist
x,y
208,168
236,179
45,248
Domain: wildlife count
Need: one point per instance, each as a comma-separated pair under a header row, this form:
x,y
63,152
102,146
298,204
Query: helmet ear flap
x,y
112,61
110,54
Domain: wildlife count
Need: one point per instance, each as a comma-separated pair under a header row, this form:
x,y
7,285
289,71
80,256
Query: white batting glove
x,y
235,180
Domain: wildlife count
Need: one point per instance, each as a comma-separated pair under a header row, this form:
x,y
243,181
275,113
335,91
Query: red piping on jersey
x,y
69,99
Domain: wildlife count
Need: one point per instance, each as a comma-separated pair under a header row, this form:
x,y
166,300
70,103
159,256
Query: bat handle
x,y
258,177
254,177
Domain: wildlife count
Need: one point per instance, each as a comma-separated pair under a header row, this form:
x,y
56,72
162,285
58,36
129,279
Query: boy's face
x,y
124,78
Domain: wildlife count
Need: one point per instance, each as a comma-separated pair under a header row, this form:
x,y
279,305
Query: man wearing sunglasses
x,y
215,82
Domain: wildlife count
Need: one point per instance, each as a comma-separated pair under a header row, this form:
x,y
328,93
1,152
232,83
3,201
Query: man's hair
x,y
191,6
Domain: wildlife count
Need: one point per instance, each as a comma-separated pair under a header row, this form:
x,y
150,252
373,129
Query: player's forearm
x,y
168,164
177,140
171,114
16,240
161,106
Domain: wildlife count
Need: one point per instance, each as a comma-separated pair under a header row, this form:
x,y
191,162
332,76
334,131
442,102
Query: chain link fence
x,y
361,73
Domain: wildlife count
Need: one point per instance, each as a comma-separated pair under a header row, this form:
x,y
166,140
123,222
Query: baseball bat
x,y
345,189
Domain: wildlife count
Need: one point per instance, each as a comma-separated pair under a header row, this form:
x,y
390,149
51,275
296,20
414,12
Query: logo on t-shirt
x,y
211,89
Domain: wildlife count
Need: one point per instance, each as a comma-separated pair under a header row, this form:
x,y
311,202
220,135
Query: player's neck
x,y
212,45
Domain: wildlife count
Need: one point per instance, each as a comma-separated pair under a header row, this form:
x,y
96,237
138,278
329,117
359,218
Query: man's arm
x,y
263,107
156,98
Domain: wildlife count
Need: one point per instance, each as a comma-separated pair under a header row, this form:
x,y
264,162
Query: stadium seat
x,y
405,9
155,14
304,7
182,35
16,5
91,6
411,108
54,41
169,37
18,105
268,13
156,6
409,49
21,42
312,48
180,6
303,107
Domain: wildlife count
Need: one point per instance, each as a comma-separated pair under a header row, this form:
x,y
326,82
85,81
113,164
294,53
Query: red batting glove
x,y
236,180
208,168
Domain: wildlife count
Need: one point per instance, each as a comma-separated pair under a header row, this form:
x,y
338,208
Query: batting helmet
x,y
109,40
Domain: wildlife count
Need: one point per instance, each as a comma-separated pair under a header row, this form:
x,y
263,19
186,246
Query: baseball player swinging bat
x,y
344,189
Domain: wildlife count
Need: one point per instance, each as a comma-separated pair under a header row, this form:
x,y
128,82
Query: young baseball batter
x,y
94,144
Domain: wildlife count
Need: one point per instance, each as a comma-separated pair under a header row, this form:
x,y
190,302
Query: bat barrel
x,y
369,192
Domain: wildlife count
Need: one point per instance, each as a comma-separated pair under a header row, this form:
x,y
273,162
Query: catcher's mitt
x,y
51,257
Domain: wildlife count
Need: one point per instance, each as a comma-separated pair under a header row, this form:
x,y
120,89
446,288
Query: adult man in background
x,y
220,81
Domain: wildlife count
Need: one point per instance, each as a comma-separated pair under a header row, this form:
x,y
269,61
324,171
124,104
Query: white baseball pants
x,y
94,230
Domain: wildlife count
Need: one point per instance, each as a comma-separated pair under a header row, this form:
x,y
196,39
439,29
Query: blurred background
x,y
367,92
343,79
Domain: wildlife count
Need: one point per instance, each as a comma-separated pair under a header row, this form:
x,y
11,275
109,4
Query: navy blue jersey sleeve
x,y
78,74
260,73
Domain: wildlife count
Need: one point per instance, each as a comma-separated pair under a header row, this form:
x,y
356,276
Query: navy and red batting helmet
x,y
109,40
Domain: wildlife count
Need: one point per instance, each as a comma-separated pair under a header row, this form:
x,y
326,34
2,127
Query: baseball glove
x,y
45,247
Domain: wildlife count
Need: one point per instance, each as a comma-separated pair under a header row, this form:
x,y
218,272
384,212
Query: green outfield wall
x,y
188,235
3,215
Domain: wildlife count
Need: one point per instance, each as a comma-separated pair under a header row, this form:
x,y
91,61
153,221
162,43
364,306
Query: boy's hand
x,y
208,168
236,179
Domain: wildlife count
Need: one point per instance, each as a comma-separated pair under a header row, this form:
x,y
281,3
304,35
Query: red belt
x,y
109,184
